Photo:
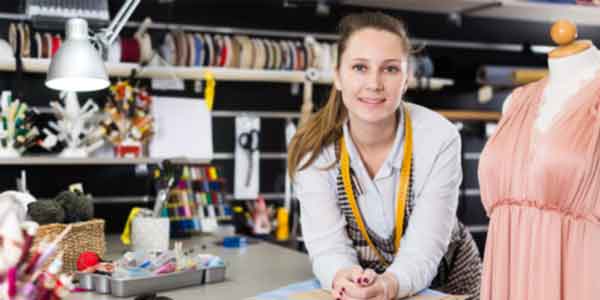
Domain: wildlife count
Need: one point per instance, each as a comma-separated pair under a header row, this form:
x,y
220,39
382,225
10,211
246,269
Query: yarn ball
x,y
87,259
46,212
78,208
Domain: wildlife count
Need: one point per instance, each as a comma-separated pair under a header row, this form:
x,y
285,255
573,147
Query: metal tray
x,y
141,285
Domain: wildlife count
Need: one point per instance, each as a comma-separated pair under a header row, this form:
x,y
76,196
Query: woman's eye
x,y
359,68
392,69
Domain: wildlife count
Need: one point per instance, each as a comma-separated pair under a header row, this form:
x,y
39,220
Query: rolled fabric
x,y
12,36
130,50
191,49
146,51
168,49
294,56
56,41
230,52
210,50
507,75
37,37
257,53
47,45
182,48
284,55
199,50
26,41
525,76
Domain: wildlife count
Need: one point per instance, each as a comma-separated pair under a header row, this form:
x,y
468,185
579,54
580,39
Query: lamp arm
x,y
108,35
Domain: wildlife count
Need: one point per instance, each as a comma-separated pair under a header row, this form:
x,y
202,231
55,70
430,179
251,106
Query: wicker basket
x,y
84,236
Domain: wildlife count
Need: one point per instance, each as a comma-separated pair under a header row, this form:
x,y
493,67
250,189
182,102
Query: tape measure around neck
x,y
403,191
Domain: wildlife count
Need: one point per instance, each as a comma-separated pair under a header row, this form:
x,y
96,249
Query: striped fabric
x,y
459,271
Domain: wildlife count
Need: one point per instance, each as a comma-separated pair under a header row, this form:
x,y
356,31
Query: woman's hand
x,y
357,284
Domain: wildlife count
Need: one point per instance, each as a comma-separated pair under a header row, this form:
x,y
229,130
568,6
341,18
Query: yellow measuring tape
x,y
402,191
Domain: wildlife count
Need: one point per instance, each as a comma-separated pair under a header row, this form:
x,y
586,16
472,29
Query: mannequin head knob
x,y
563,32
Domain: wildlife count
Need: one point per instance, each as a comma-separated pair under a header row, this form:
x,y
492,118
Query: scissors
x,y
249,142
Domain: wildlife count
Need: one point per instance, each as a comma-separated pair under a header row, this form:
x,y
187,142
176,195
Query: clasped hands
x,y
356,283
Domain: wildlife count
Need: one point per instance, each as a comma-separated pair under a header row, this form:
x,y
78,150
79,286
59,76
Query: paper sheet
x,y
183,129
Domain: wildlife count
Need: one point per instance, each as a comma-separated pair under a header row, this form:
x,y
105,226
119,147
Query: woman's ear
x,y
336,80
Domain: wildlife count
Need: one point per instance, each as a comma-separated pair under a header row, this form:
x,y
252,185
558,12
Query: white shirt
x,y
437,176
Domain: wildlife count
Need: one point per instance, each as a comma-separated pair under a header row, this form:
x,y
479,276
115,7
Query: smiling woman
x,y
378,178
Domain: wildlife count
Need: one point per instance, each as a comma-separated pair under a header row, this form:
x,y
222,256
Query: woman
x,y
378,178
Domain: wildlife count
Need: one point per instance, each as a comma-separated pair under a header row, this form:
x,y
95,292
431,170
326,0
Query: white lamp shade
x,y
77,65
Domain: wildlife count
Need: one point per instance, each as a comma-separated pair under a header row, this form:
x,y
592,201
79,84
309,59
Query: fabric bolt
x,y
46,45
56,41
199,46
191,49
540,190
130,50
37,48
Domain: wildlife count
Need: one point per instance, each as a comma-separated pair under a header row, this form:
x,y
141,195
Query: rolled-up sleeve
x,y
323,225
428,233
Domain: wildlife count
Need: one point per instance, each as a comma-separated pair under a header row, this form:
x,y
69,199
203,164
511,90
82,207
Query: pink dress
x,y
541,191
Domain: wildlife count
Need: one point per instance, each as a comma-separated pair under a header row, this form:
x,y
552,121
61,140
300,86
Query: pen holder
x,y
148,234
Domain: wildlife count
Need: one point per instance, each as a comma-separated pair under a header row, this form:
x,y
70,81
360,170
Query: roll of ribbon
x,y
237,50
130,50
37,37
20,39
12,36
279,64
56,41
191,49
245,51
168,48
182,48
217,46
225,51
301,55
46,45
26,47
230,52
290,51
276,59
309,55
146,51
199,50
257,53
284,55
270,54
209,50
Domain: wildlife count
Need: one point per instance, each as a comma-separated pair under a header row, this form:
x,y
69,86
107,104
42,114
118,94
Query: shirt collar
x,y
394,159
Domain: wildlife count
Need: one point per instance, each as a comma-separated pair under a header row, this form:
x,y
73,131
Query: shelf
x,y
35,65
50,160
505,9
470,115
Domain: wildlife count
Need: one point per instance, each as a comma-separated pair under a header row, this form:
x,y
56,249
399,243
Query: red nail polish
x,y
366,280
343,289
341,294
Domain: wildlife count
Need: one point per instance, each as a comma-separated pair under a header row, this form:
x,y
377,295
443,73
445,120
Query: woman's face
x,y
372,76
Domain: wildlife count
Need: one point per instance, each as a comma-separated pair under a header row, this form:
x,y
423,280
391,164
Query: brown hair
x,y
325,126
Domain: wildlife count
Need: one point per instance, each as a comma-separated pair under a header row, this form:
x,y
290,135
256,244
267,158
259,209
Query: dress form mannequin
x,y
570,66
